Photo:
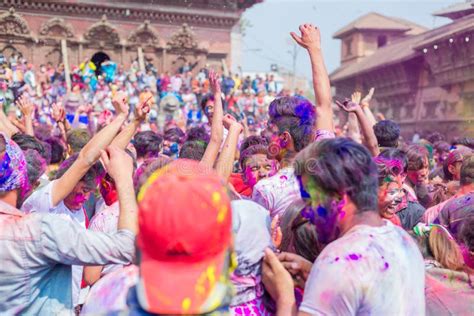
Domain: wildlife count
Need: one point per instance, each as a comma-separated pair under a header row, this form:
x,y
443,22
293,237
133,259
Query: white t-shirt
x,y
41,201
368,271
276,193
106,221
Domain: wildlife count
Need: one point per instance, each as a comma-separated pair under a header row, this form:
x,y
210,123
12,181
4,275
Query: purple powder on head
x,y
385,267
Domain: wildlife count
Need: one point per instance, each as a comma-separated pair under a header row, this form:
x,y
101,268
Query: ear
x,y
451,169
285,139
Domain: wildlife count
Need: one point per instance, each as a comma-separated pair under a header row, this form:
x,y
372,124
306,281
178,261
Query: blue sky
x,y
267,40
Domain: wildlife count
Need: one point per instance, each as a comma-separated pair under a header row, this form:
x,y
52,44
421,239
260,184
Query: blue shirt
x,y
37,251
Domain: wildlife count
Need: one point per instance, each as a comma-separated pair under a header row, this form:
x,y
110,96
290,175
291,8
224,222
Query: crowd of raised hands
x,y
132,208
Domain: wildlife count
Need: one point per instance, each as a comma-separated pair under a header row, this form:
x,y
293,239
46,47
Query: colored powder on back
x,y
353,256
322,211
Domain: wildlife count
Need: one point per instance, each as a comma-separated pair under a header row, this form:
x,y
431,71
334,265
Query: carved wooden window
x,y
348,46
381,40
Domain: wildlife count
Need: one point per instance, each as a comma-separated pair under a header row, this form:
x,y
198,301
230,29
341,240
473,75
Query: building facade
x,y
423,79
167,33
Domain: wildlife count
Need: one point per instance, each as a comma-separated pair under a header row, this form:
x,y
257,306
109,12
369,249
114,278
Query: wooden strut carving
x,y
13,24
145,35
57,27
103,33
183,40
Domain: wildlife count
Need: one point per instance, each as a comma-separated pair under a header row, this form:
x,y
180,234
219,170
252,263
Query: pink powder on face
x,y
249,177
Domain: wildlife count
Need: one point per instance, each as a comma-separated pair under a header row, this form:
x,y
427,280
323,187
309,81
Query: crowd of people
x,y
128,192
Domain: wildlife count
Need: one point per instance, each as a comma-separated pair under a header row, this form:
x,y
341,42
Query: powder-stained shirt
x,y
368,271
109,294
276,193
41,202
35,273
106,221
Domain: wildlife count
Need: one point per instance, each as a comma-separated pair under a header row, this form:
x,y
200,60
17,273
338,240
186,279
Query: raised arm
x,y
353,130
123,139
367,130
214,145
225,164
5,125
310,39
85,247
90,153
365,106
59,115
27,109
119,166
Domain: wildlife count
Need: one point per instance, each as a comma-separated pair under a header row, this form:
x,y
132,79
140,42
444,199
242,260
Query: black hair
x,y
467,170
206,98
341,166
193,150
253,140
77,139
174,134
435,137
26,142
396,154
147,144
467,232
416,154
387,133
90,178
465,141
198,133
299,235
250,151
57,150
295,115
35,166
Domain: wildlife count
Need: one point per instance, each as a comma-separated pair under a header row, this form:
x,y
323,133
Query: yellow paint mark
x,y
222,213
186,304
154,176
216,197
211,275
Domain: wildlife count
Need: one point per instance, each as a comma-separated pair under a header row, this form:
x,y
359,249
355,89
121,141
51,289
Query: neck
x,y
467,188
10,198
351,219
287,158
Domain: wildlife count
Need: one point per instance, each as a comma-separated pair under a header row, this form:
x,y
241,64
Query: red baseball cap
x,y
184,239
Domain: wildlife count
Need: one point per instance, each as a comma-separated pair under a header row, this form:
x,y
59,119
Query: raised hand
x,y
276,278
277,234
117,163
120,102
229,121
25,106
366,100
141,110
310,37
298,266
355,97
348,106
214,82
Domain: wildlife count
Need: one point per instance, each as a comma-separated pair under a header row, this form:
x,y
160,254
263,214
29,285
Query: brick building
x,y
424,79
167,33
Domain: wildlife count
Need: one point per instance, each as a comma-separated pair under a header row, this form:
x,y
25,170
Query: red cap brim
x,y
181,287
